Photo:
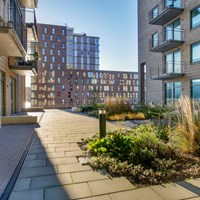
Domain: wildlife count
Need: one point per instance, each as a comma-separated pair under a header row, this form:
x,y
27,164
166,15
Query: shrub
x,y
126,116
138,146
188,125
156,111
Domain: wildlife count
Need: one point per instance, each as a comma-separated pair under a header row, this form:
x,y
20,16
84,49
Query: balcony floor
x,y
167,76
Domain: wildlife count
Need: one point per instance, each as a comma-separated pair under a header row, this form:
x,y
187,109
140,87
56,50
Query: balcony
x,y
29,3
165,11
166,40
10,42
168,71
25,68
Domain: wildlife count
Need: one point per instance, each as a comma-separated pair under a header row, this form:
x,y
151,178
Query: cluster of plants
x,y
127,116
159,111
156,152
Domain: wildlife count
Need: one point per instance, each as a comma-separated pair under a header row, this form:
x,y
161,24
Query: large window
x,y
195,89
195,52
195,17
173,91
155,40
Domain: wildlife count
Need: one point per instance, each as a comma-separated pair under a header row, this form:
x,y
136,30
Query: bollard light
x,y
102,122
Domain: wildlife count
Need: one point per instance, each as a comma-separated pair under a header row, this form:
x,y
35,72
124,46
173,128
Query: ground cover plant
x,y
153,153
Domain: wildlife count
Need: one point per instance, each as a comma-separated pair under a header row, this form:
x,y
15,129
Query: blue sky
x,y
114,21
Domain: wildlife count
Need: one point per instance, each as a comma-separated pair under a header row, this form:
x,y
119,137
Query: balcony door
x,y
174,3
2,94
13,95
173,31
173,62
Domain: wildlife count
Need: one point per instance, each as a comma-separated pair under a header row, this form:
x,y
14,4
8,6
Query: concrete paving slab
x,y
35,163
73,153
22,184
172,191
52,180
87,176
51,155
137,194
73,168
62,161
28,194
63,149
74,191
37,171
110,186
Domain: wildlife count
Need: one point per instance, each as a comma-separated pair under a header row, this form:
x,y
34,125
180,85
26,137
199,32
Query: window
x,y
58,38
155,40
173,31
195,89
154,13
58,52
58,80
53,45
63,87
58,66
51,51
173,91
53,30
53,59
43,51
51,37
45,44
45,30
45,58
63,45
63,59
63,31
43,36
173,62
53,73
51,66
195,17
63,73
195,52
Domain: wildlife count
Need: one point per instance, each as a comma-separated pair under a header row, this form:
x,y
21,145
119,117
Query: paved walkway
x,y
53,172
13,139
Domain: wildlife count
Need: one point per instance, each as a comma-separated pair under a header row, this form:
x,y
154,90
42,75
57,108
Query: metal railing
x,y
16,18
165,36
162,6
168,69
30,18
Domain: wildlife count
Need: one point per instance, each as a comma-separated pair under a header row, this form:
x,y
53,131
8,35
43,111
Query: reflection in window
x,y
195,17
195,52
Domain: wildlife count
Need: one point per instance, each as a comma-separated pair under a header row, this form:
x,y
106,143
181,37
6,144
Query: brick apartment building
x,y
68,72
169,49
18,44
83,87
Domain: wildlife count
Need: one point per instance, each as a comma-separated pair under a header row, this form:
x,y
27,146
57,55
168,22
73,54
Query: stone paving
x,y
13,139
53,172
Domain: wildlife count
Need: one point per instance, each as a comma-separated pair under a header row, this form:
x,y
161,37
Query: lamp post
x,y
102,122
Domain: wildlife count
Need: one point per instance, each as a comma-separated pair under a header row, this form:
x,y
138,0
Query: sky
x,y
114,21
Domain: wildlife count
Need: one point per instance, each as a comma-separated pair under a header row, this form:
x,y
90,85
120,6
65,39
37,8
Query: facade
x,y
169,49
72,87
82,51
18,52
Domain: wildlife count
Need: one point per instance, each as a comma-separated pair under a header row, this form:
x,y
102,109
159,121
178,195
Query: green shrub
x,y
156,111
138,146
126,116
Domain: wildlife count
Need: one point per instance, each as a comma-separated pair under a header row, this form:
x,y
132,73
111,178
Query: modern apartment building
x,y
18,52
82,51
69,75
69,87
169,49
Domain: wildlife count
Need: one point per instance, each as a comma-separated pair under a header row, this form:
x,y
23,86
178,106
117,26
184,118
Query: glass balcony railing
x,y
166,40
168,70
165,11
